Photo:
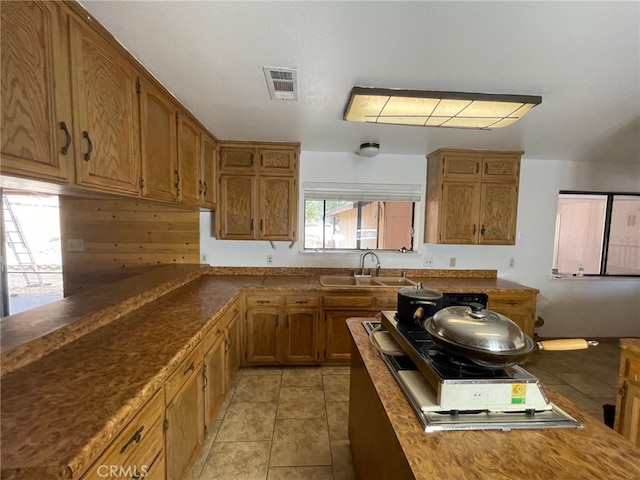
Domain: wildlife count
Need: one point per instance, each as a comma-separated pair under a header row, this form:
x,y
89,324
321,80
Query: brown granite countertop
x,y
593,452
59,412
94,359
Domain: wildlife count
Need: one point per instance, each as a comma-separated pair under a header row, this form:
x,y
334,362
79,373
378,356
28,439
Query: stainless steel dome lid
x,y
478,329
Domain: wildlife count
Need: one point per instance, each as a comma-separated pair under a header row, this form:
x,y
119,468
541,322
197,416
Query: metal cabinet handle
x,y
205,380
482,230
262,225
474,229
136,437
65,148
301,302
87,156
263,302
252,224
190,368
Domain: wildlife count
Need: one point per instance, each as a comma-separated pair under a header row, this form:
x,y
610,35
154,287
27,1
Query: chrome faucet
x,y
362,258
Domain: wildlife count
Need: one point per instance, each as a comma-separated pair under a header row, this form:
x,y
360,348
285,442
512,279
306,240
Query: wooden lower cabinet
x,y
215,377
283,330
337,339
233,346
263,319
184,415
627,421
300,335
138,448
519,307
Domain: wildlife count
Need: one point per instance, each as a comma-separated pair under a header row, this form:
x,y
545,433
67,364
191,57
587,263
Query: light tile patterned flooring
x,y
291,423
281,423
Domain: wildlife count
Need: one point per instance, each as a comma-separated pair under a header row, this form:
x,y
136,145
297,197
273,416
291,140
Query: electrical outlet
x,y
428,261
452,261
269,259
512,262
203,258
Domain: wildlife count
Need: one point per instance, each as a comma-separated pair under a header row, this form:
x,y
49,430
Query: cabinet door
x,y
460,166
460,212
185,432
263,343
158,146
301,329
209,160
236,206
233,347
35,99
631,413
106,113
498,214
337,337
496,168
237,159
277,161
278,204
189,161
215,380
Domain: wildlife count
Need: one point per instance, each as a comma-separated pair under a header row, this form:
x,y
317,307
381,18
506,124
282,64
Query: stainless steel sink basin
x,y
350,281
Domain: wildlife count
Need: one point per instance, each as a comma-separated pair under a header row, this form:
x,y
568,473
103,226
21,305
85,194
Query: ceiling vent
x,y
282,83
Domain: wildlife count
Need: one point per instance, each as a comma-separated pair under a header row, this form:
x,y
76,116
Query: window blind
x,y
381,192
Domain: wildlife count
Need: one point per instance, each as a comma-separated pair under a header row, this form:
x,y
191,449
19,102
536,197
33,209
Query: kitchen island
x,y
387,440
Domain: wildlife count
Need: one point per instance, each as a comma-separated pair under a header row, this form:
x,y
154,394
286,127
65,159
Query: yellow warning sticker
x,y
518,393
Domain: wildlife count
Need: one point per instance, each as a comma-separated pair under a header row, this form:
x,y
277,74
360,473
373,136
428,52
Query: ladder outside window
x,y
19,246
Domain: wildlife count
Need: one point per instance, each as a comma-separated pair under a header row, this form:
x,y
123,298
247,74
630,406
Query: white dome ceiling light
x,y
369,149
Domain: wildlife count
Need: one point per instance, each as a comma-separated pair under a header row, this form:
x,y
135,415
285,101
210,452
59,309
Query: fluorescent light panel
x,y
437,109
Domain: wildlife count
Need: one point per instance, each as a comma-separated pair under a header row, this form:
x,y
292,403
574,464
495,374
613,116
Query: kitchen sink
x,y
364,281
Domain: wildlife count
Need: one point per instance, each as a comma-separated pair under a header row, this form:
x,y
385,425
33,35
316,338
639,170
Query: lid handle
x,y
477,310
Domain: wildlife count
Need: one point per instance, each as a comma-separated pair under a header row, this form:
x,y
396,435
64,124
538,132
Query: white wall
x,y
577,307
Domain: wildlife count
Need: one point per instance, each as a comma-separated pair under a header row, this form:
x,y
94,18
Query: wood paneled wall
x,y
122,238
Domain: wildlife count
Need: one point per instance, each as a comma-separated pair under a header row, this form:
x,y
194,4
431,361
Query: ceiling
x,y
583,58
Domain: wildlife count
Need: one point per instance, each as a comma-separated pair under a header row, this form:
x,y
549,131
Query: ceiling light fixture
x,y
437,109
369,149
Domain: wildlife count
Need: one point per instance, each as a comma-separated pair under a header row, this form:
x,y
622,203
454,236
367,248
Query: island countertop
x,y
593,452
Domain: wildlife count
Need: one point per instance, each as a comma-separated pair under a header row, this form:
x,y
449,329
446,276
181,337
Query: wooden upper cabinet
x,y
35,97
498,214
472,197
459,222
238,159
158,146
278,202
461,167
496,168
190,182
275,161
236,207
106,113
208,170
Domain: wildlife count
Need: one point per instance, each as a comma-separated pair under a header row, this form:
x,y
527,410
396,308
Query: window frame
x,y
604,254
359,203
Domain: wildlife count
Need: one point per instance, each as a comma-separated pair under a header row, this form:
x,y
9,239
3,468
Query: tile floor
x,y
281,423
291,423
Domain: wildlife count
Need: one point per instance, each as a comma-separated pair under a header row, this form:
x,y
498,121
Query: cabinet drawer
x,y
501,167
136,448
461,166
388,303
263,300
342,301
300,301
520,302
214,334
187,368
237,159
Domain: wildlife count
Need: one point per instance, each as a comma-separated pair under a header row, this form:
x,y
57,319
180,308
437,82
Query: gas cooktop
x,y
449,393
